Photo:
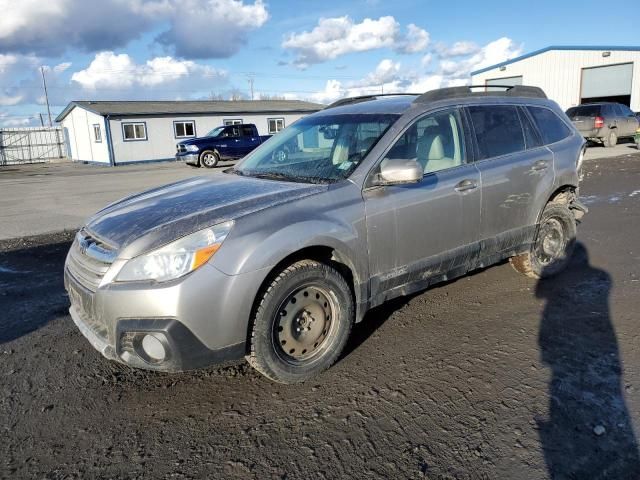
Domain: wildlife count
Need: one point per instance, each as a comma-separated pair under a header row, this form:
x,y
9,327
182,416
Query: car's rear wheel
x,y
610,140
209,159
302,322
553,246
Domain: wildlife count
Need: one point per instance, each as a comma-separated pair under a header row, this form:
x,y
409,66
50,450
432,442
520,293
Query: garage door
x,y
611,83
505,81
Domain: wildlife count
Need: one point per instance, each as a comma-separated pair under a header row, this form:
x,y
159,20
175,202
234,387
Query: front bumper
x,y
190,158
202,318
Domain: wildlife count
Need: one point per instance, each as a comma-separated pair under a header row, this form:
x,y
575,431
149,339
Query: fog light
x,y
153,347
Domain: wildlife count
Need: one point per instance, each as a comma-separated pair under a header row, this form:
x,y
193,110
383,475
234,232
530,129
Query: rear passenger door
x,y
249,139
516,172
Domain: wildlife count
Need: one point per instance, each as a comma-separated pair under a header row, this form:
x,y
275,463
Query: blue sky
x,y
312,49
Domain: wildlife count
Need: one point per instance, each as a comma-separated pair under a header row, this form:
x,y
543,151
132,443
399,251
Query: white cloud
x,y
416,40
212,28
112,71
7,120
10,100
391,77
337,36
494,52
193,28
458,49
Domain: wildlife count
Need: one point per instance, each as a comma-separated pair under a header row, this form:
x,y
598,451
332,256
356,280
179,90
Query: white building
x,y
116,133
573,75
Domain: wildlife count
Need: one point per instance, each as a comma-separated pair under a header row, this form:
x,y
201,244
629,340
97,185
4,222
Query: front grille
x,y
181,148
89,259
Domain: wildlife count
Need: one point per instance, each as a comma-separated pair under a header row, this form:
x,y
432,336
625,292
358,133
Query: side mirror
x,y
397,171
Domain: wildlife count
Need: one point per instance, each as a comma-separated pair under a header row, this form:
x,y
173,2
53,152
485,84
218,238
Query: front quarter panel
x,y
334,218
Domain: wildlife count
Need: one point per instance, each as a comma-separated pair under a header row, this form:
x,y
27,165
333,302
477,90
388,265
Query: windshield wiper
x,y
287,178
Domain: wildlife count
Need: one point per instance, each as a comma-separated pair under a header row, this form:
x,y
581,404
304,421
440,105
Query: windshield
x,y
215,132
317,149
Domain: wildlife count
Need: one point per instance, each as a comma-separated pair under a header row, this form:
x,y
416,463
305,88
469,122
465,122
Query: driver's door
x,y
418,233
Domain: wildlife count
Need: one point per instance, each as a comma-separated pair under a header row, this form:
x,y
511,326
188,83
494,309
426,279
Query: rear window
x,y
498,131
584,111
549,124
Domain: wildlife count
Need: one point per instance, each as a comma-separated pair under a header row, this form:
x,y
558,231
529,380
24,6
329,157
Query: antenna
x,y
46,95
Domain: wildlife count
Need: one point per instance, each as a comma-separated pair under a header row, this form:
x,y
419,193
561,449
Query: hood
x,y
194,141
148,220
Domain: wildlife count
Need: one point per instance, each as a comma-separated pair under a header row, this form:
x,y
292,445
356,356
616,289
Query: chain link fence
x,y
31,145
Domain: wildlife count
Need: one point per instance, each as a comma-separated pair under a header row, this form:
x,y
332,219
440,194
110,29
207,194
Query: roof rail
x,y
466,91
363,98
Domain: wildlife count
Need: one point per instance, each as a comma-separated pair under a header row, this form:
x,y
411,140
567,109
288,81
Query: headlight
x,y
192,148
178,258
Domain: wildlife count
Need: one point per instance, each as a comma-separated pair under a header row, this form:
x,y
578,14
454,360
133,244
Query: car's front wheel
x,y
553,246
302,322
209,159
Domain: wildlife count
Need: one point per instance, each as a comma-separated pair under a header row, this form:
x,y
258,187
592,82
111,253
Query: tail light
x,y
599,123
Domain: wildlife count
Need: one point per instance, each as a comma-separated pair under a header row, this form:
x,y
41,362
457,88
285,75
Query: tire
x,y
553,246
209,159
302,322
610,140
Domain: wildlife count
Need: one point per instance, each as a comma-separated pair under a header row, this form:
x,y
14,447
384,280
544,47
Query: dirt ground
x,y
490,376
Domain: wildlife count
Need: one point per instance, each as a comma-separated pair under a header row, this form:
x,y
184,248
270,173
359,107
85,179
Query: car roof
x,y
399,103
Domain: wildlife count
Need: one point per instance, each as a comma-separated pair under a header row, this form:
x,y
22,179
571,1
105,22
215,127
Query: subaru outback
x,y
275,261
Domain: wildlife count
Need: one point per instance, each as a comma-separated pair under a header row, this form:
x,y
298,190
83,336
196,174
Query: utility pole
x,y
382,88
250,80
46,95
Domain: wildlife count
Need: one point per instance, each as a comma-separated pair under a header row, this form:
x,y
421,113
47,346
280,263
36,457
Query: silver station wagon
x,y
274,260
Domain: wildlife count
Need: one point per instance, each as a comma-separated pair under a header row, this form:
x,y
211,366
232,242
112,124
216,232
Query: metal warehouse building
x,y
116,133
573,75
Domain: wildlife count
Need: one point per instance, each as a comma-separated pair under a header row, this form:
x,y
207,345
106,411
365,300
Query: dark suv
x,y
276,259
604,122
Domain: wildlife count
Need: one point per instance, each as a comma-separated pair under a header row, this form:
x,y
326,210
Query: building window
x,y
134,131
275,125
97,133
184,129
232,121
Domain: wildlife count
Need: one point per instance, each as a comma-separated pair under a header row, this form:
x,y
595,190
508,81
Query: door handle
x,y
465,185
540,165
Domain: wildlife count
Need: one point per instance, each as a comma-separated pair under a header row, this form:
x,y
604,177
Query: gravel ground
x,y
490,376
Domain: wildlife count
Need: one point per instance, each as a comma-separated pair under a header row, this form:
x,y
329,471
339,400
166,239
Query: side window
x,y
97,133
531,137
231,132
435,141
498,130
247,131
549,124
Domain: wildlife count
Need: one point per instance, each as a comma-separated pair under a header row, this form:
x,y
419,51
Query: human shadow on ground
x,y
31,288
588,432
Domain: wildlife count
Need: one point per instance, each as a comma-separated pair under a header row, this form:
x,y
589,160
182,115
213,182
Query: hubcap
x,y
280,156
551,241
209,159
304,322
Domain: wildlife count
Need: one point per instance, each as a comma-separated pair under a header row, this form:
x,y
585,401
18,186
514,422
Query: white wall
x,y
558,73
78,128
161,141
